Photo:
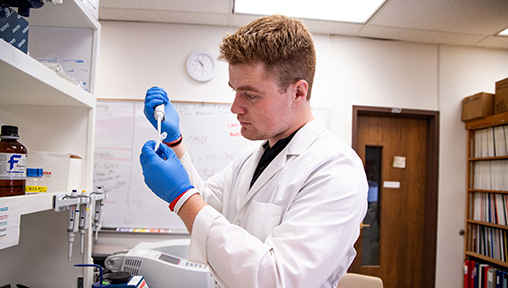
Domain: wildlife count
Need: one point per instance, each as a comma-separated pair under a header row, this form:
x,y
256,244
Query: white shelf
x,y
30,203
25,81
71,13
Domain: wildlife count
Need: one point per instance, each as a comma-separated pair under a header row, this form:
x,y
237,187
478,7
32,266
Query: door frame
x,y
431,182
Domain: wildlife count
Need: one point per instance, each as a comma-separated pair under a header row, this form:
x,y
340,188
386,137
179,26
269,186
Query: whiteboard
x,y
211,135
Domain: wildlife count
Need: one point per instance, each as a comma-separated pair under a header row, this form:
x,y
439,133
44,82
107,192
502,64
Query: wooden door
x,y
391,245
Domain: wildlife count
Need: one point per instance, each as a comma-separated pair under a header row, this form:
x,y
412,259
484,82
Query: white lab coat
x,y
296,227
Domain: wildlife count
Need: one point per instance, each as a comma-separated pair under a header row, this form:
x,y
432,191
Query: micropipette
x,y
159,115
73,214
70,228
83,219
97,215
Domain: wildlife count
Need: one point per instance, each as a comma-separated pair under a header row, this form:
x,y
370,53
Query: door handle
x,y
364,225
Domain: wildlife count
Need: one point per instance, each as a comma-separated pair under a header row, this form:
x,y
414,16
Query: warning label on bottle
x,y
12,166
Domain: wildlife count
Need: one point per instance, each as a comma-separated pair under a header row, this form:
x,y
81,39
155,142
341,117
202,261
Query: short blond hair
x,y
282,43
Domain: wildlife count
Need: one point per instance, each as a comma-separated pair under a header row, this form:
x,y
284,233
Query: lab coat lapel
x,y
246,176
276,165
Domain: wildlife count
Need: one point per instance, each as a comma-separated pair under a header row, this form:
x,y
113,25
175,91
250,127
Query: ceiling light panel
x,y
355,11
503,33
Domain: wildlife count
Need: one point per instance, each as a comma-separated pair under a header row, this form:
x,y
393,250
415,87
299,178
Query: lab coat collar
x,y
300,142
304,137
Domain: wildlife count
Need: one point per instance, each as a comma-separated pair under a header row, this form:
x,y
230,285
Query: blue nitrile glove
x,y
171,125
166,178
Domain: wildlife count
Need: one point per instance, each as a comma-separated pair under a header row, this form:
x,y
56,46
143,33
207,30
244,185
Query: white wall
x,y
350,71
380,73
135,56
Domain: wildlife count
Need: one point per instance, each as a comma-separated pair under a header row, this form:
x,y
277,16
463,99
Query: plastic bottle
x,y
35,182
12,162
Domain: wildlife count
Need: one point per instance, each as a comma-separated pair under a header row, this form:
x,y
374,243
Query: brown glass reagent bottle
x,y
12,162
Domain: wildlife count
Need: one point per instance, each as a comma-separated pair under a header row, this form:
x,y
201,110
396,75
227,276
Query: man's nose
x,y
237,107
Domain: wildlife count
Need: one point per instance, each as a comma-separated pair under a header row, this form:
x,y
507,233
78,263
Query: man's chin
x,y
249,136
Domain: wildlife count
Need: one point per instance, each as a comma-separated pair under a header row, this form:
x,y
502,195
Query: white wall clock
x,y
202,66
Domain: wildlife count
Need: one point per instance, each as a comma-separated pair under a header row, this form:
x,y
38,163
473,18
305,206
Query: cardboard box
x,y
501,99
62,171
477,106
13,28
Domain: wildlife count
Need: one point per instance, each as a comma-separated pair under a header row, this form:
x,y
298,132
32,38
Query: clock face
x,y
201,66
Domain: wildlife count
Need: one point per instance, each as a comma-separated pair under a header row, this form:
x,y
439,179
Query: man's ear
x,y
301,88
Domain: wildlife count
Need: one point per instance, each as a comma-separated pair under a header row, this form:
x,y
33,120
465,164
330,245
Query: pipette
x,y
159,115
99,204
83,217
70,229
73,222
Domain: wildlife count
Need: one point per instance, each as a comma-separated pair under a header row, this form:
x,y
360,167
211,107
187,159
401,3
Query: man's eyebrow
x,y
245,88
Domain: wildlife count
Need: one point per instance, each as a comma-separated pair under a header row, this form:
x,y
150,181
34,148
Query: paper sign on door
x,y
391,184
399,162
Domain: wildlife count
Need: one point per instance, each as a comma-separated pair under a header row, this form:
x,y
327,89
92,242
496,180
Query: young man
x,y
284,213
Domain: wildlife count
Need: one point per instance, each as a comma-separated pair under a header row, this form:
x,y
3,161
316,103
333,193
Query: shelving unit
x,y
31,203
44,87
487,193
53,114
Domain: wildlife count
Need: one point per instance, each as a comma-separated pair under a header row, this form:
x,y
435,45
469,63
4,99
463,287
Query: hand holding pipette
x,y
169,119
157,161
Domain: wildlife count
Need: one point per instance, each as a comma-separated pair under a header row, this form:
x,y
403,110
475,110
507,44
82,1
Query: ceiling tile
x,y
238,20
163,16
212,6
421,36
329,27
494,42
458,16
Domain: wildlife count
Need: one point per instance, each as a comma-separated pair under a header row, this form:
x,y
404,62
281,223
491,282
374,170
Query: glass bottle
x,y
12,162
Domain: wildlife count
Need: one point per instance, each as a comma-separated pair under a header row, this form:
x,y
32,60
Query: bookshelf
x,y
487,196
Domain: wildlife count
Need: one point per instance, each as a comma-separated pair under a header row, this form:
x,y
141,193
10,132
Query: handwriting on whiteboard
x,y
211,134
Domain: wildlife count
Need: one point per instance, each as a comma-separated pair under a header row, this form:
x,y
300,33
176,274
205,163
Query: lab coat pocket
x,y
262,218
